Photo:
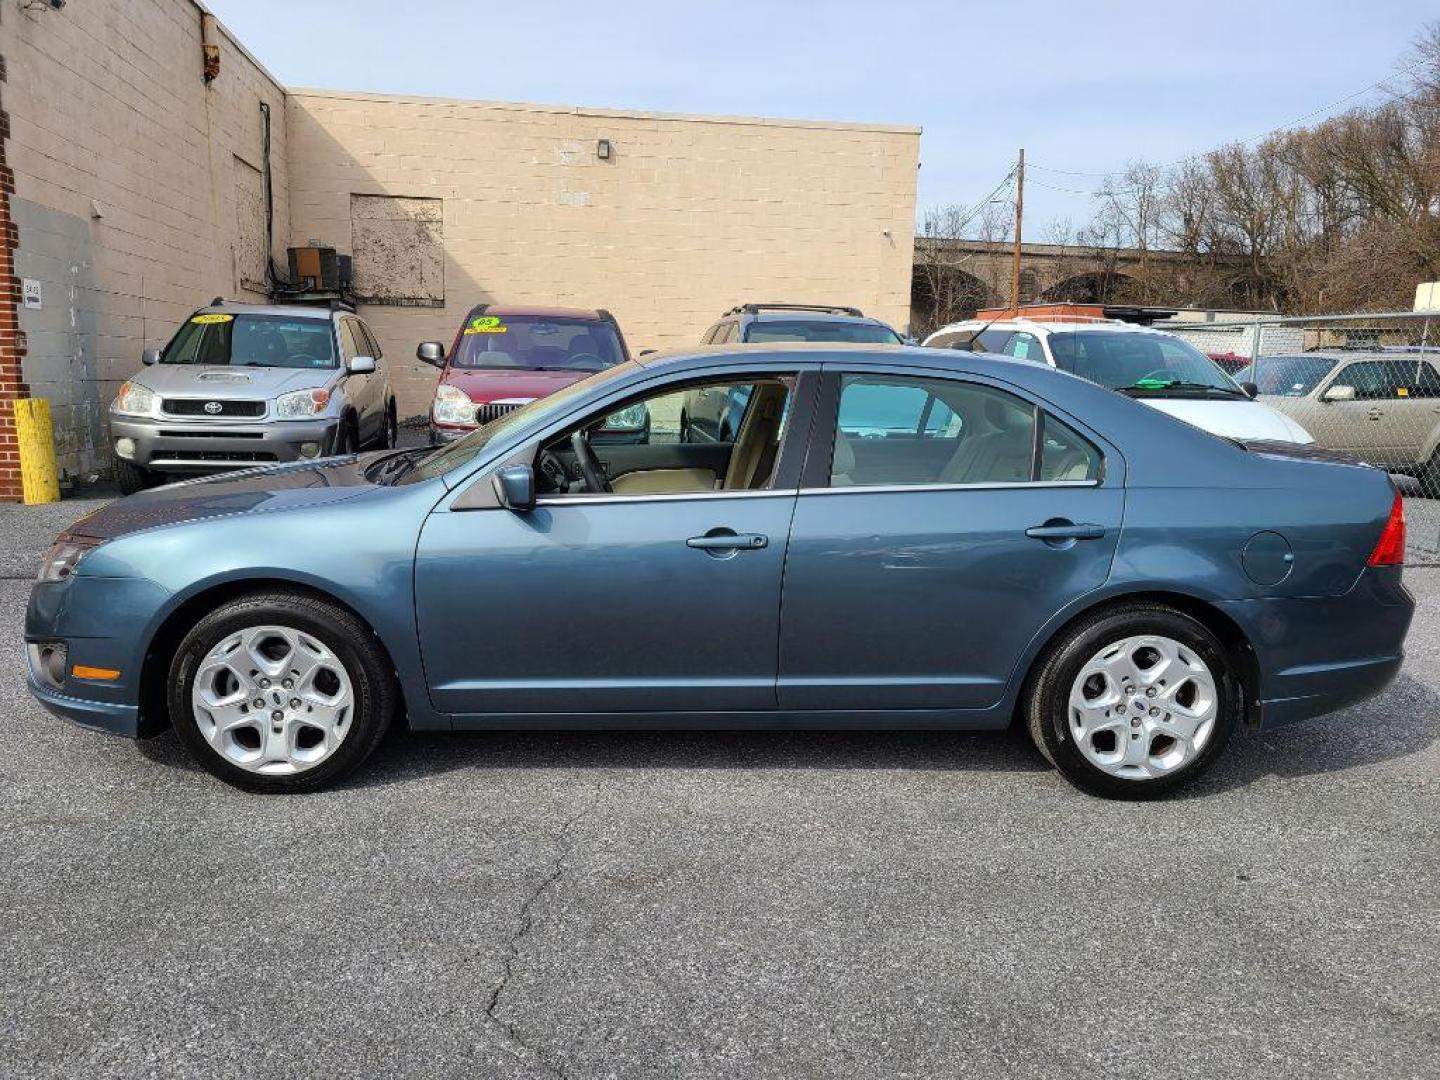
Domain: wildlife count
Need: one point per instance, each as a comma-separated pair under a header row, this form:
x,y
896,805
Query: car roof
x,y
294,311
1053,326
801,315
910,356
537,311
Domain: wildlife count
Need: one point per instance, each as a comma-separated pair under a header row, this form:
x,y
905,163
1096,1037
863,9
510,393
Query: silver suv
x,y
246,384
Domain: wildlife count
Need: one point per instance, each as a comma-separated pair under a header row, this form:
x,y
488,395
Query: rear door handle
x,y
1065,531
728,541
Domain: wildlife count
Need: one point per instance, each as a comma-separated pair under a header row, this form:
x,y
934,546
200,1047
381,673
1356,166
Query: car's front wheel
x,y
130,478
280,692
1133,702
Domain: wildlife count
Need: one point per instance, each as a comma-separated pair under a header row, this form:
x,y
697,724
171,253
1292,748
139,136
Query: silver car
x,y
1381,405
247,384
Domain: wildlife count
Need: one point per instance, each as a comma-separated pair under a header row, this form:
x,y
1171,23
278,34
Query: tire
x,y
131,478
307,735
1125,751
345,442
391,436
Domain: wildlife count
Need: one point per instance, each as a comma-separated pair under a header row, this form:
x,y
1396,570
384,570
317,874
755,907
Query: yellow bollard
x,y
33,431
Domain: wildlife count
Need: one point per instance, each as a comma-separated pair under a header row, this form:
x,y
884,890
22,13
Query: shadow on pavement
x,y
1402,721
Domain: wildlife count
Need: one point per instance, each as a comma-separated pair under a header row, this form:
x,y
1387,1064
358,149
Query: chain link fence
x,y
1366,384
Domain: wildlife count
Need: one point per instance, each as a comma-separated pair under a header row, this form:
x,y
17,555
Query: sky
x,y
1083,88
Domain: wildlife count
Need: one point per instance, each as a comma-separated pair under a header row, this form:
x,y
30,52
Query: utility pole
x,y
1019,218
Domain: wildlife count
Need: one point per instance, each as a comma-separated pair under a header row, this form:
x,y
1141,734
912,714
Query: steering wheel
x,y
554,472
590,468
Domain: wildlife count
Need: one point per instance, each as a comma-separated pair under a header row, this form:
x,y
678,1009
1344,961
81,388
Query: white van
x,y
1160,369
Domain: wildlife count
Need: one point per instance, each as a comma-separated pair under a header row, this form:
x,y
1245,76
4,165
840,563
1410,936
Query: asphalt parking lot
x,y
727,905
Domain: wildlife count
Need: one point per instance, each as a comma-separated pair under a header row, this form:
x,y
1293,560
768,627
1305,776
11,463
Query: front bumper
x,y
114,718
1319,654
103,622
190,445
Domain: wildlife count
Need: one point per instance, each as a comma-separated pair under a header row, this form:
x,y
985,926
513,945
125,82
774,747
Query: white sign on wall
x,y
31,289
1427,296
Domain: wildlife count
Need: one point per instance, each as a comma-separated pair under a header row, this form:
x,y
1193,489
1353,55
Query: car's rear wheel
x,y
280,692
131,478
391,437
1133,702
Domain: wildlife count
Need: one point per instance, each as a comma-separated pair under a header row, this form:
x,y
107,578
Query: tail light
x,y
1390,548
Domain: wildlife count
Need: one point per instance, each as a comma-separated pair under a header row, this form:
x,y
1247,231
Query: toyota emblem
x,y
214,408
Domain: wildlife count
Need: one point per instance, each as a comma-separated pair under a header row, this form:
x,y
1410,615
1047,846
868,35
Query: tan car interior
x,y
752,460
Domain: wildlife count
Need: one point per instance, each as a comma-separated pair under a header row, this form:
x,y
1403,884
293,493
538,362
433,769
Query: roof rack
x,y
831,309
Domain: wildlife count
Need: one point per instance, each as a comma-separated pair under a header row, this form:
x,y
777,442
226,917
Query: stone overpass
x,y
960,276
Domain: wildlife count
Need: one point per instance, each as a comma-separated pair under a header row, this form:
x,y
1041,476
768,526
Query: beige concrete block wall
x,y
109,114
690,215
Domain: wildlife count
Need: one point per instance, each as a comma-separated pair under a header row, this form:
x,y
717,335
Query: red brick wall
x,y
12,341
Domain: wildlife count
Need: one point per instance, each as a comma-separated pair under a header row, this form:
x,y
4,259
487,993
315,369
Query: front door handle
x,y
725,540
1065,530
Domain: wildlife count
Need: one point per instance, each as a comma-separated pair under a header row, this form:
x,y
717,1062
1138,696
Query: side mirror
x,y
1339,392
515,488
431,352
150,356
1251,390
361,365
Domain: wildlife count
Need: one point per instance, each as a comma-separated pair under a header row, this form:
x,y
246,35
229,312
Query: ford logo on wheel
x,y
214,408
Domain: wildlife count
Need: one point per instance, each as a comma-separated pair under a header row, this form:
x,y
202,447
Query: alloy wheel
x,y
272,700
1143,707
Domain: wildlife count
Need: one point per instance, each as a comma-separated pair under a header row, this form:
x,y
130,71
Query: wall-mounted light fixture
x,y
602,149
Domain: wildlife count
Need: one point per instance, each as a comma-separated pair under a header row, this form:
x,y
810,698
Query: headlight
x,y
452,406
134,400
63,555
301,404
631,419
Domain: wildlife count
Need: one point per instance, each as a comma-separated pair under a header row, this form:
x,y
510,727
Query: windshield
x,y
441,461
822,330
535,343
1287,376
1149,364
238,340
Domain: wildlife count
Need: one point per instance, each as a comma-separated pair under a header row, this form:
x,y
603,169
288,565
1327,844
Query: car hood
x,y
483,386
276,487
1243,420
226,381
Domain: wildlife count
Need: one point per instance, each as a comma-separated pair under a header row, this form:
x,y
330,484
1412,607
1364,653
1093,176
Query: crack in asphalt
x,y
526,920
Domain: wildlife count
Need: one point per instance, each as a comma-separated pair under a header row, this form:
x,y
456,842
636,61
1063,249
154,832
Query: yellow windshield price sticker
x,y
210,320
486,324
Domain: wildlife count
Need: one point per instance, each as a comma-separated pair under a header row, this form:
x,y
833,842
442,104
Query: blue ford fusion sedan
x,y
892,538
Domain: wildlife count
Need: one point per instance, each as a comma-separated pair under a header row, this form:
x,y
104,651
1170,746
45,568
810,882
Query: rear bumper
x,y
1319,654
173,445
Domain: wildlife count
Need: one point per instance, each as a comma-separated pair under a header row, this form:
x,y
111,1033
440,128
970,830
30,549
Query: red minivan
x,y
507,356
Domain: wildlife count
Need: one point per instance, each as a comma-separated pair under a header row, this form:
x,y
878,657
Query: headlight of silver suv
x,y
135,400
300,404
64,555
